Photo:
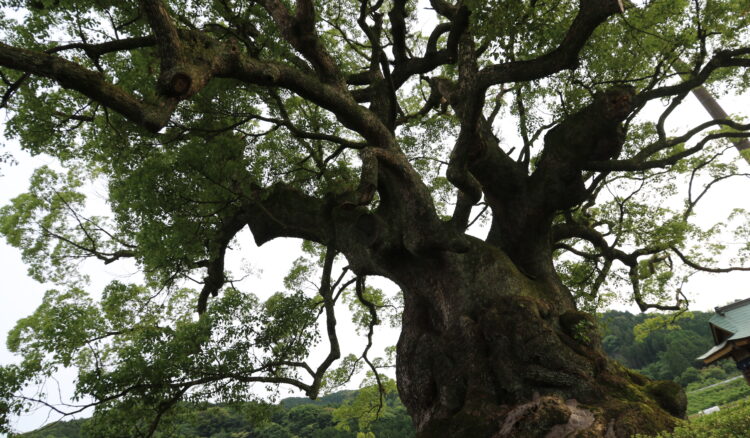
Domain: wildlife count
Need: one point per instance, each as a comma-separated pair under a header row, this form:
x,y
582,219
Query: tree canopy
x,y
377,133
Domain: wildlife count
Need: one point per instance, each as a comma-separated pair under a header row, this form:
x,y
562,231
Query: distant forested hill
x,y
657,351
662,353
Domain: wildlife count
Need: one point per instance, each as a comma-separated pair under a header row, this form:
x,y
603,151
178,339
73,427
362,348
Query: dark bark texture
x,y
486,351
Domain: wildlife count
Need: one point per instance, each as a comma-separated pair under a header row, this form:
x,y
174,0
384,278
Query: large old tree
x,y
376,132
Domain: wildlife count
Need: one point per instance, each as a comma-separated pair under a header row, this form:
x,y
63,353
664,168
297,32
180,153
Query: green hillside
x,y
717,395
668,348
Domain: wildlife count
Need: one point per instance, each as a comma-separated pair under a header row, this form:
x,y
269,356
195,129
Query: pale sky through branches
x,y
267,266
20,295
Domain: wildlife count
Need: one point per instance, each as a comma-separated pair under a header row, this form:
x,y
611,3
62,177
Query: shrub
x,y
730,422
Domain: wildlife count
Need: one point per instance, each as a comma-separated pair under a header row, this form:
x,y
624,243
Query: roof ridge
x,y
732,306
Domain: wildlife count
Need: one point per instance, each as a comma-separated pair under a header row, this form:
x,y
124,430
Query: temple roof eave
x,y
723,350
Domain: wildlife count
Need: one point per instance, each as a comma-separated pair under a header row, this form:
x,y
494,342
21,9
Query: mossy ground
x,y
636,404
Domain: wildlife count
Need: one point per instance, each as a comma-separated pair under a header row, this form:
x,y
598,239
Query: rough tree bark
x,y
486,351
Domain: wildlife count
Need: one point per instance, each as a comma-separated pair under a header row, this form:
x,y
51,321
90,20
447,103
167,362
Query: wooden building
x,y
730,327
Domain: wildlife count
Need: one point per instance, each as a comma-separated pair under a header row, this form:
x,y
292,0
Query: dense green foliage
x,y
662,348
730,422
62,429
291,418
706,396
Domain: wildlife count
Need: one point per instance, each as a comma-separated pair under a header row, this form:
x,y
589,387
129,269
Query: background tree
x,y
342,124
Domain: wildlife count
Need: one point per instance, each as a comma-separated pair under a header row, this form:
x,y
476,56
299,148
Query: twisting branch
x,y
608,252
326,291
635,164
360,291
721,59
699,267
590,15
299,31
432,101
432,58
216,249
644,306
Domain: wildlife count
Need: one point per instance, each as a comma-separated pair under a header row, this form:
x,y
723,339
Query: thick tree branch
x,y
165,33
299,31
590,15
595,133
89,83
216,249
397,15
284,211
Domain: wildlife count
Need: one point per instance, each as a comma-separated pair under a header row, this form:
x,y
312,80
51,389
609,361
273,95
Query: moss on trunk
x,y
487,352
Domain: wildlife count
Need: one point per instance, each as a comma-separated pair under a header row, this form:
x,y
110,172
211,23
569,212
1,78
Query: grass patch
x,y
732,421
701,399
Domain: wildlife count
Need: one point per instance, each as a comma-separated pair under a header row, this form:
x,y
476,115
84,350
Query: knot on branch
x,y
595,133
184,80
617,102
187,71
179,84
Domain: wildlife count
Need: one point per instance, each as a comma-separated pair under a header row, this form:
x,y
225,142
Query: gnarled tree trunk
x,y
492,344
486,351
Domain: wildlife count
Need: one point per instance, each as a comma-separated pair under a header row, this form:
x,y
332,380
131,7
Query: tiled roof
x,y
734,318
